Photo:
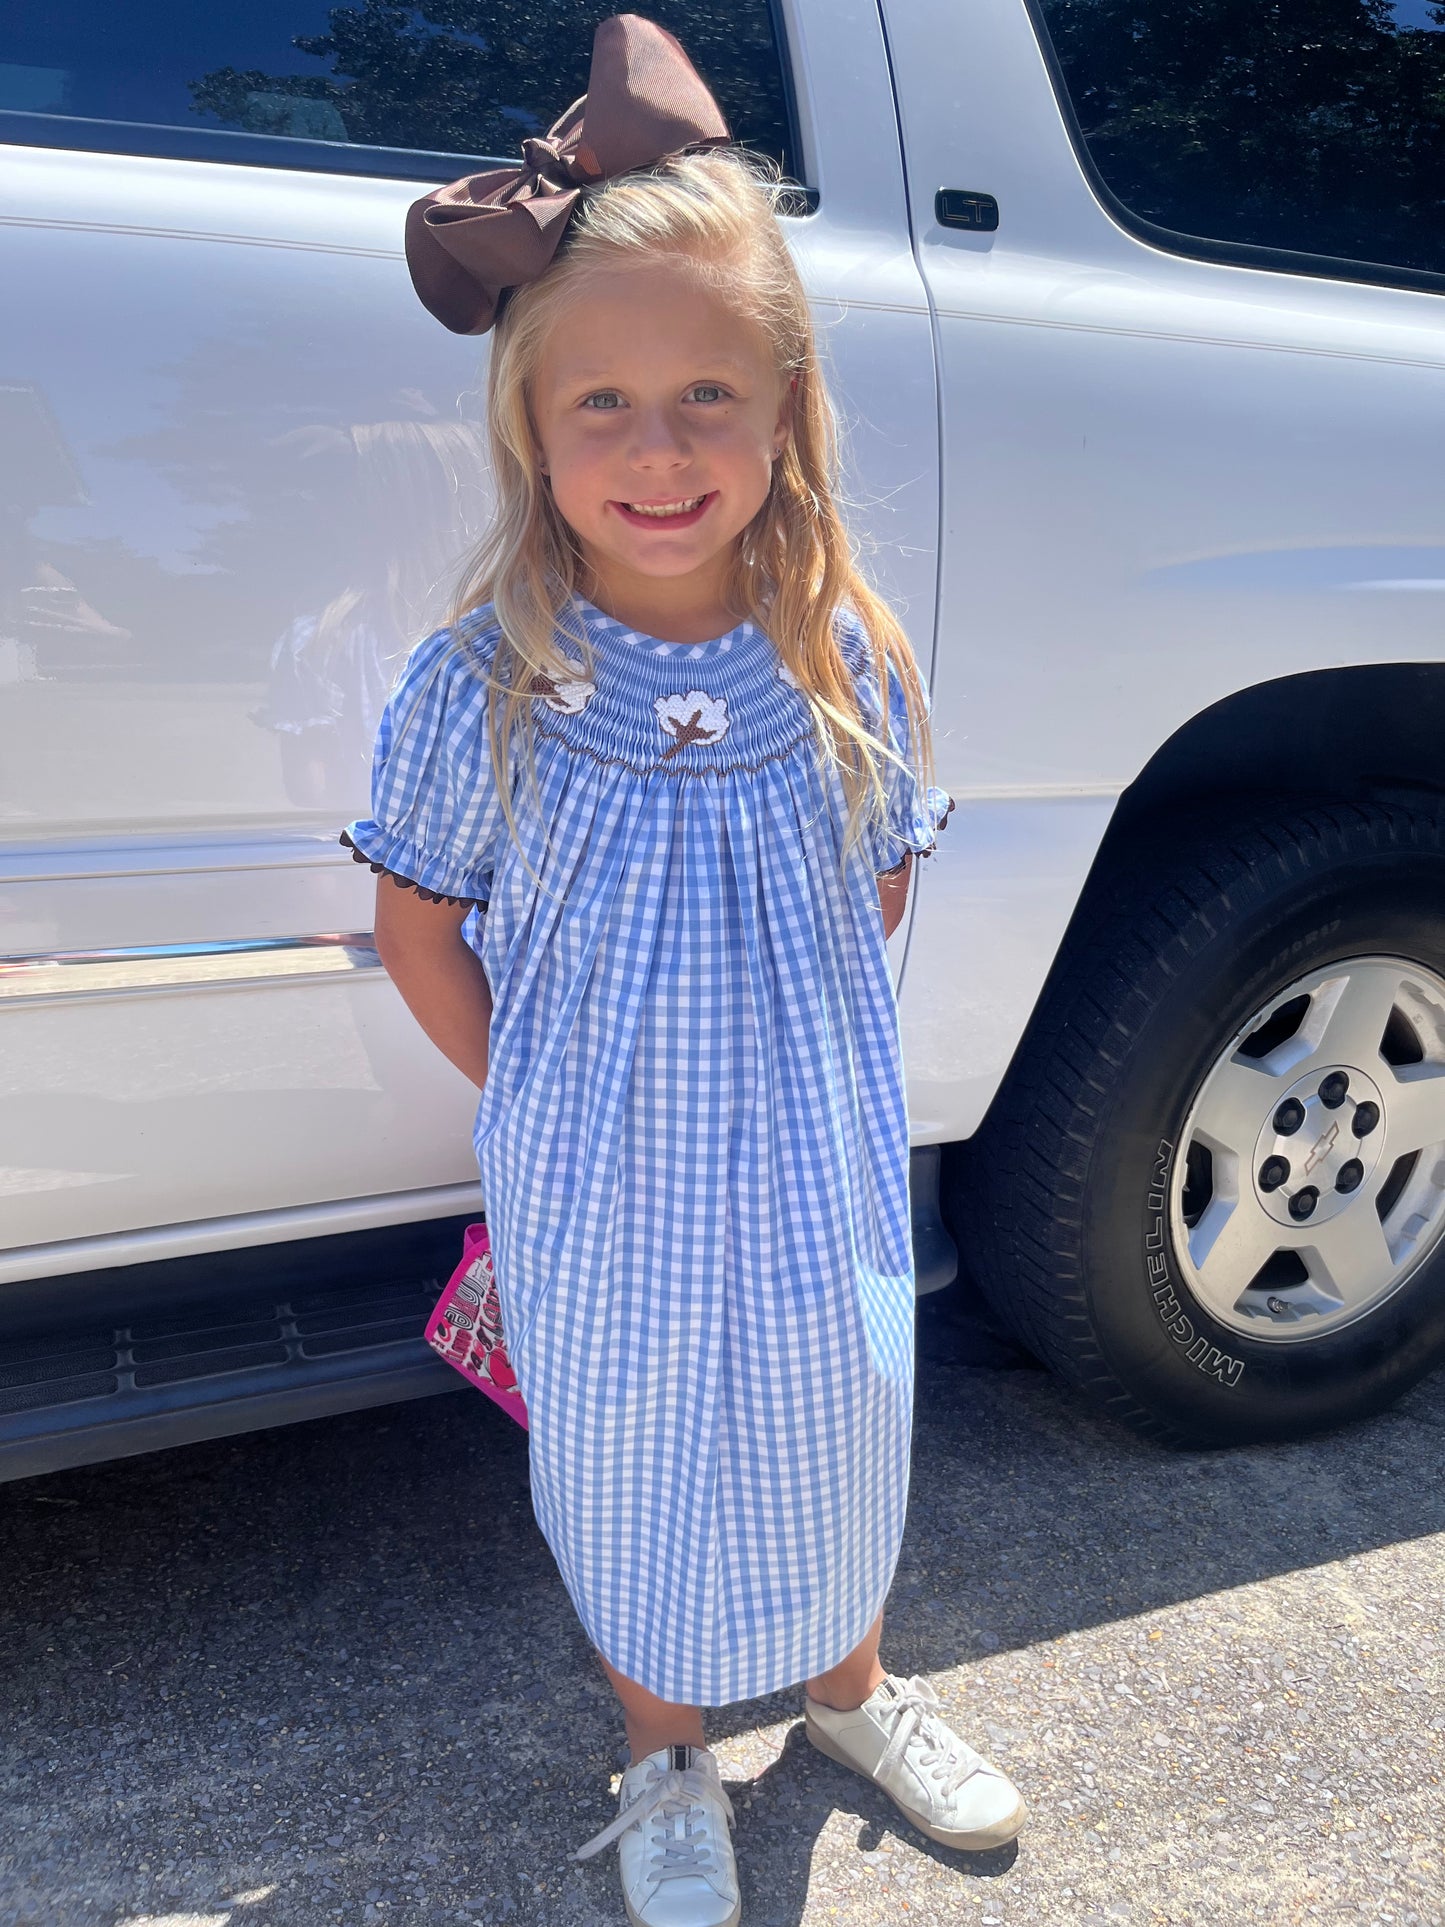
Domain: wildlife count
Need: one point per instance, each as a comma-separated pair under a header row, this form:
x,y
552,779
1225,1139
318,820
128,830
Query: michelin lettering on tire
x,y
1197,1349
1083,1192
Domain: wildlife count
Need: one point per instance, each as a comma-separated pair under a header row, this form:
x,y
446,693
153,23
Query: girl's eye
x,y
605,398
706,391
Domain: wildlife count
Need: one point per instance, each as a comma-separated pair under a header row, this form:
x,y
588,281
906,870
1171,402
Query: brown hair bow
x,y
467,243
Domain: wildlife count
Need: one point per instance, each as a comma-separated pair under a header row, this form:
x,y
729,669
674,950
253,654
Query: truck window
x,y
1315,128
414,92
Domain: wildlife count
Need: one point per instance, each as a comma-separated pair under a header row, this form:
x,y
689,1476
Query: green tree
x,y
471,77
1308,124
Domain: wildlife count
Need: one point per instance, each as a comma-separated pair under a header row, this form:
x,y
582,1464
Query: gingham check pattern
x,y
693,1142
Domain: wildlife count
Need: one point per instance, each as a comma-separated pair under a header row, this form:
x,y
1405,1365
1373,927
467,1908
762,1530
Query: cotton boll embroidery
x,y
786,675
693,718
568,698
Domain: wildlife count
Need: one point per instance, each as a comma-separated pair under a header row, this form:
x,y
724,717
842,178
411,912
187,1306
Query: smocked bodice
x,y
687,709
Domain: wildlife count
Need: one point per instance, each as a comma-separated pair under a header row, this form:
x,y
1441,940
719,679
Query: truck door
x,y
1176,465
239,469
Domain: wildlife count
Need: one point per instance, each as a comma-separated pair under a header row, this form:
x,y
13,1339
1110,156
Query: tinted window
x,y
466,77
1312,125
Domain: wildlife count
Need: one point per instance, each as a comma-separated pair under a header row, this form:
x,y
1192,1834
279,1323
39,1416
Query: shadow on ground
x,y
330,1672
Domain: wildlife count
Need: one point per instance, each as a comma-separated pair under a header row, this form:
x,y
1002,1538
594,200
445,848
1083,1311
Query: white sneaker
x,y
897,1740
673,1842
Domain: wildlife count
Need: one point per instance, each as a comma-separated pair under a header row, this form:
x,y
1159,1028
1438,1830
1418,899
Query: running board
x,y
75,1397
101,1364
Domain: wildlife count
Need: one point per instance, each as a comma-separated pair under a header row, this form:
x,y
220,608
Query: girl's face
x,y
658,410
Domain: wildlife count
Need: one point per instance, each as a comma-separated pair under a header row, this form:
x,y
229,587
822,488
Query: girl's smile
x,y
659,411
666,516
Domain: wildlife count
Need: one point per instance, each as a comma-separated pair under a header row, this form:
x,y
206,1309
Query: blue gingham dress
x,y
693,1140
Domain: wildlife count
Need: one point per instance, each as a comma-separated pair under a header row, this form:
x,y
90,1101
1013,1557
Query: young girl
x,y
668,745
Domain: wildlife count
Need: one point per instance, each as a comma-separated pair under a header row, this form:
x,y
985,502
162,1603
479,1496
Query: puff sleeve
x,y
914,814
436,819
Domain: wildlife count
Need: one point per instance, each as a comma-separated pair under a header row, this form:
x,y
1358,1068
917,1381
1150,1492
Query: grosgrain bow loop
x,y
466,244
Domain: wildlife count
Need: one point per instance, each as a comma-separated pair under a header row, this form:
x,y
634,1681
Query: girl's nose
x,y
658,442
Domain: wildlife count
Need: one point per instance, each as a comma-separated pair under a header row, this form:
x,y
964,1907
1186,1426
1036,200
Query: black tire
x,y
1058,1207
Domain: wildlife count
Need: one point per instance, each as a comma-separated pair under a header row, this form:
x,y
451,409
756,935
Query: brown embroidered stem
x,y
692,731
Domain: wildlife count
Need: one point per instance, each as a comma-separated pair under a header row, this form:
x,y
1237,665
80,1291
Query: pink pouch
x,y
466,1327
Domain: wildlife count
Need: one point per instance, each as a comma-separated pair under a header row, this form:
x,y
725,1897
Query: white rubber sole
x,y
974,1840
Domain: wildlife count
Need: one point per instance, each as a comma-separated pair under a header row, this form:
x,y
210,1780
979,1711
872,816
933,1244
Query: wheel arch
x,y
1363,733
1366,732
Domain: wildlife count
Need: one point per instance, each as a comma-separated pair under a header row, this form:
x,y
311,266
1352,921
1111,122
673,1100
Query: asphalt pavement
x,y
329,1674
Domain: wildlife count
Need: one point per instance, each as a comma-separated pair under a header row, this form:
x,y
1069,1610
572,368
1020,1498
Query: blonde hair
x,y
795,568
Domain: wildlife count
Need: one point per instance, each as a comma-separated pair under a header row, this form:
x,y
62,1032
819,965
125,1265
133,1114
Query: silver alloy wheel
x,y
1311,1177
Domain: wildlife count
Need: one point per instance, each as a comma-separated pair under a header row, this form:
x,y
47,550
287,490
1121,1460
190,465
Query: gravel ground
x,y
330,1674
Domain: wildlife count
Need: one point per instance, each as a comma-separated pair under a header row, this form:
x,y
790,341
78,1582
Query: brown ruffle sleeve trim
x,y
902,864
406,883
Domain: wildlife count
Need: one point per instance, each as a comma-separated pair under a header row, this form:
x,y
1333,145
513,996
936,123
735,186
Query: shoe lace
x,y
941,1753
670,1797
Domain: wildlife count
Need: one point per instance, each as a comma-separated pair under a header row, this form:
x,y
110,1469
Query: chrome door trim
x,y
183,966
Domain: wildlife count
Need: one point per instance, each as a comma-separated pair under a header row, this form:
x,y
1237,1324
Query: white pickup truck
x,y
1142,367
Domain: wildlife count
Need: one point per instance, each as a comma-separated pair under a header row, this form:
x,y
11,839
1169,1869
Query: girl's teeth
x,y
671,508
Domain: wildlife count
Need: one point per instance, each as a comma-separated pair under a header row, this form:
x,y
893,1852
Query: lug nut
x,y
1350,1176
1334,1090
1303,1203
1273,1173
1367,1116
1289,1117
